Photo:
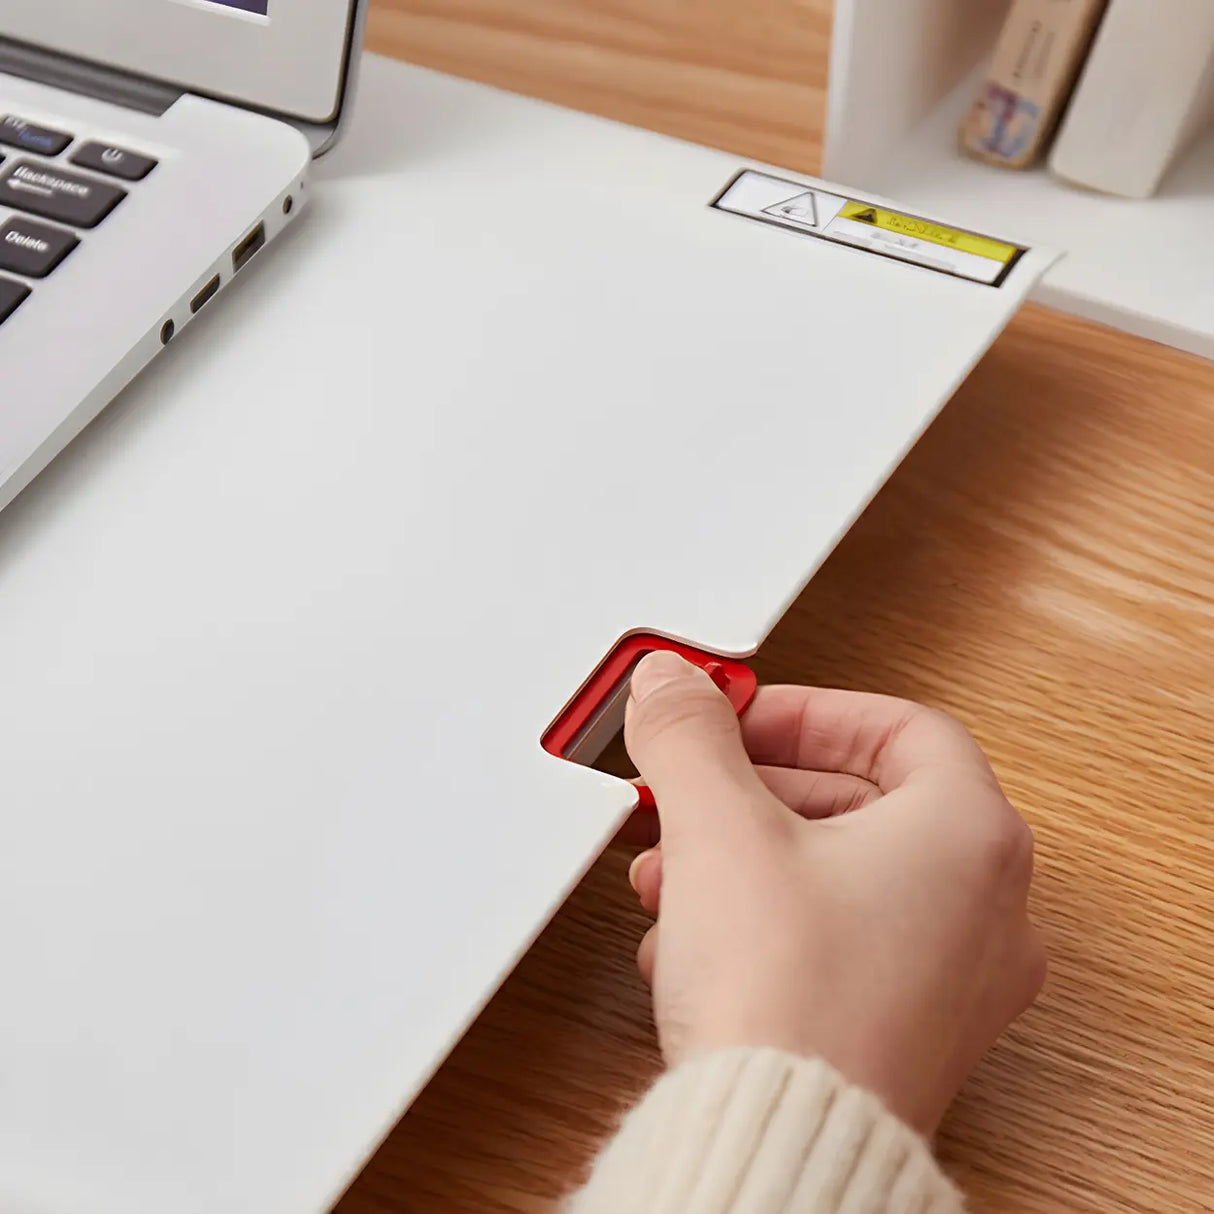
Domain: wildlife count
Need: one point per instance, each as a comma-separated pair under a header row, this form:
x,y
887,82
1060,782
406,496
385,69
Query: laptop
x,y
149,150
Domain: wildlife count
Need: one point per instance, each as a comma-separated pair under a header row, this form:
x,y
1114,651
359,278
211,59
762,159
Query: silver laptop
x,y
149,150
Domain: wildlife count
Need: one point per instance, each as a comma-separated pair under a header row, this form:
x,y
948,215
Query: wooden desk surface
x,y
1042,565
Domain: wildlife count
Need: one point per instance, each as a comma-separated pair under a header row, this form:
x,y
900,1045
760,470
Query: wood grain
x,y
744,75
1042,565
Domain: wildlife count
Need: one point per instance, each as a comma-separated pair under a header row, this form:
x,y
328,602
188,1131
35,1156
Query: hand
x,y
840,876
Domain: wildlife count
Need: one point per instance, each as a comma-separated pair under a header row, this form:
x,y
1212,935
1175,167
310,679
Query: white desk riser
x,y
280,634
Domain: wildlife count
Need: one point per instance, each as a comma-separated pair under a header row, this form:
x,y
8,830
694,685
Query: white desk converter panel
x,y
280,634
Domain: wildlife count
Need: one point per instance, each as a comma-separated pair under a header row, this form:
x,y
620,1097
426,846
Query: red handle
x,y
606,690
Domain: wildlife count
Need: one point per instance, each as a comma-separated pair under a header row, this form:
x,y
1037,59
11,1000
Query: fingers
x,y
818,794
645,877
875,738
684,738
810,794
647,952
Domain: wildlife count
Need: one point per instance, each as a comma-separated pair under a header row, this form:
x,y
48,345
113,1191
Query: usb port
x,y
248,248
204,296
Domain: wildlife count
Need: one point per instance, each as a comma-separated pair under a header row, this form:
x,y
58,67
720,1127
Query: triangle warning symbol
x,y
801,208
869,216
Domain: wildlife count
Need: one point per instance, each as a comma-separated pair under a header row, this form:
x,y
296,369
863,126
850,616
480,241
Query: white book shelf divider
x,y
903,73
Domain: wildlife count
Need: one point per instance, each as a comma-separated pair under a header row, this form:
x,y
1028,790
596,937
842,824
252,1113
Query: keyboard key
x,y
57,194
12,296
33,249
18,133
115,162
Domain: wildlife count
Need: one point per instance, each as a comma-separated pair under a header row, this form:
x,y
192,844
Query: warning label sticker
x,y
933,233
870,227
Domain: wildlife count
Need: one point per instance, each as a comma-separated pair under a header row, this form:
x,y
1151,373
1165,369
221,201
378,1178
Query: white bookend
x,y
1145,92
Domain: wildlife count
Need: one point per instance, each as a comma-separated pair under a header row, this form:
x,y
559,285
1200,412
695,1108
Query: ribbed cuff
x,y
760,1132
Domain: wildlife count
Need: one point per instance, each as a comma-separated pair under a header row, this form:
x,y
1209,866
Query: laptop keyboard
x,y
53,202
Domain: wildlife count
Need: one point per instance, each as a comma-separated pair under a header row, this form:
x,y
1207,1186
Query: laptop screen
x,y
286,56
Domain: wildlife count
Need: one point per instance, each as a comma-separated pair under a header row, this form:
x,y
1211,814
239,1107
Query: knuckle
x,y
941,719
961,741
1023,844
1037,964
925,723
1006,846
855,797
906,718
1032,970
948,726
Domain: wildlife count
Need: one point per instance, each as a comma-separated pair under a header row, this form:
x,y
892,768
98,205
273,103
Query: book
x,y
1037,60
1146,91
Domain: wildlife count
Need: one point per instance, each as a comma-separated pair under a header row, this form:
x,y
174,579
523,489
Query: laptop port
x,y
204,296
248,248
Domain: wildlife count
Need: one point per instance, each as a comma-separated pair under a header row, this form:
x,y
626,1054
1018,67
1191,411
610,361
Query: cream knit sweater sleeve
x,y
760,1132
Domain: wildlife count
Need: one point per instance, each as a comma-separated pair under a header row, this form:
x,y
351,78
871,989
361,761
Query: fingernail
x,y
656,670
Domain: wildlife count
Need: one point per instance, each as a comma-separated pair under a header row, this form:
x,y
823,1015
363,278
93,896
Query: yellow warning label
x,y
932,233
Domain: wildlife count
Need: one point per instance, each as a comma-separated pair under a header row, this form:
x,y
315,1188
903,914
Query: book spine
x,y
1037,60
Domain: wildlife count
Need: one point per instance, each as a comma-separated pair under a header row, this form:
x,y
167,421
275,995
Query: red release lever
x,y
593,711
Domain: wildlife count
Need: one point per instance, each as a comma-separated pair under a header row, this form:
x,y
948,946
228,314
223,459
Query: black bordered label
x,y
869,227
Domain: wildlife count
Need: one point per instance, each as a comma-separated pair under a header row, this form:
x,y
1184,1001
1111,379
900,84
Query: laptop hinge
x,y
122,88
88,79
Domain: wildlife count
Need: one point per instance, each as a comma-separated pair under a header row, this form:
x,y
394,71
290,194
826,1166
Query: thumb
x,y
683,735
